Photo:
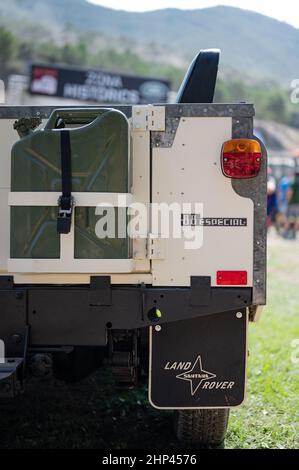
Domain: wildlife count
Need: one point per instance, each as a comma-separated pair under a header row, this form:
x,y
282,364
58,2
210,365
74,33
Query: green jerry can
x,y
99,162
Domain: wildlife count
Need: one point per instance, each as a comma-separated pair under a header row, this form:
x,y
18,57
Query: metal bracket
x,y
200,292
100,291
148,118
64,216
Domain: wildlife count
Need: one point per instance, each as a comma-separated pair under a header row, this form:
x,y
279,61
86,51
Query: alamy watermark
x,y
295,93
158,220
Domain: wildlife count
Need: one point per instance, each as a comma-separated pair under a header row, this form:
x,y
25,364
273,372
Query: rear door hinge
x,y
148,118
155,247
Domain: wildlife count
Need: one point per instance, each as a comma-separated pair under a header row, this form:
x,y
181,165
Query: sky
x,y
286,10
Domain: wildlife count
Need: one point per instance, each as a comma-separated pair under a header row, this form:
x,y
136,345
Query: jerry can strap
x,y
66,201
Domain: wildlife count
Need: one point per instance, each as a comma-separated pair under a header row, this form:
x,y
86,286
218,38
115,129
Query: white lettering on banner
x,y
87,92
104,79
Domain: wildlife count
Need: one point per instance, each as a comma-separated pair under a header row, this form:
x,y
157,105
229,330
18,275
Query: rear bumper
x,y
82,315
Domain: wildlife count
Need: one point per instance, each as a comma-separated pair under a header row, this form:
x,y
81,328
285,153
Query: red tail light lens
x,y
231,278
241,158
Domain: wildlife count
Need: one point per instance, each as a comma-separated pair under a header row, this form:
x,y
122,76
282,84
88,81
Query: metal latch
x,y
148,118
64,216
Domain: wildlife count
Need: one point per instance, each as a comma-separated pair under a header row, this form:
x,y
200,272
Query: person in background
x,y
293,210
272,207
282,201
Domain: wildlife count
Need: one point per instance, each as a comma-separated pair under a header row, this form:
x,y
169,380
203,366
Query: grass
x,y
91,414
269,418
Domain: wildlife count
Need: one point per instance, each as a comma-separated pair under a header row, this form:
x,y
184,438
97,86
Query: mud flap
x,y
199,363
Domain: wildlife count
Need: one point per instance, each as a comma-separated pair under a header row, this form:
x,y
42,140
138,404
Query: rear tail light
x,y
241,158
231,278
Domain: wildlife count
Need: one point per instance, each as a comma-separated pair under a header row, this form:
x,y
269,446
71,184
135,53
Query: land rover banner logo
x,y
194,220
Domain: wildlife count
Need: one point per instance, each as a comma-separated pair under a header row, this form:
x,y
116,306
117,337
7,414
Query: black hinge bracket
x,y
100,291
200,292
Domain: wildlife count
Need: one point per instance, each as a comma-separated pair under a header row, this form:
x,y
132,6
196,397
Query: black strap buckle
x,y
64,216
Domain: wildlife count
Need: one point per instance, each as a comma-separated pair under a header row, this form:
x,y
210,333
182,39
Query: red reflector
x,y
241,158
231,278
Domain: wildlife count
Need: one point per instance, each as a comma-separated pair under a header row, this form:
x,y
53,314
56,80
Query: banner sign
x,y
97,86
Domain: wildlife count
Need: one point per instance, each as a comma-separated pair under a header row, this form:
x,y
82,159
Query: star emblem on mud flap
x,y
196,375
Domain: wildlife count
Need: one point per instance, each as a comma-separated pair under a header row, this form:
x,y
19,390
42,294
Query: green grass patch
x,y
269,417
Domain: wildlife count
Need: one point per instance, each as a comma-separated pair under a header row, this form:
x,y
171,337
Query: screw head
x,y
158,328
239,314
17,339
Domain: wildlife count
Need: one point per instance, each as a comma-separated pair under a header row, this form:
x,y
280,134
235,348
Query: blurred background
x,y
62,52
55,52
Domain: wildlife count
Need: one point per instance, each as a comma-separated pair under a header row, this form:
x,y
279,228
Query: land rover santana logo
x,y
197,377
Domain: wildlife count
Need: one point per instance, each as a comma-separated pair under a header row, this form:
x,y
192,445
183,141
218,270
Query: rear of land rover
x,y
169,305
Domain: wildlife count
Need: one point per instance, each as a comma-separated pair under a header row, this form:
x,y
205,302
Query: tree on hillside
x,y
8,50
276,106
74,54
